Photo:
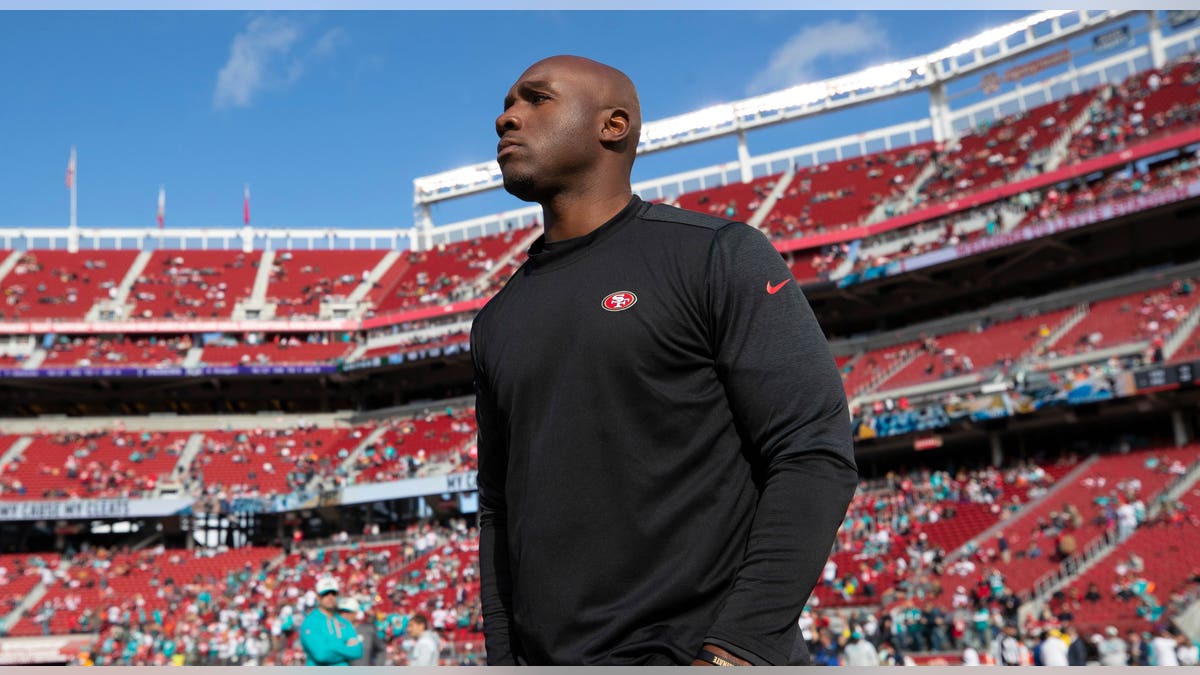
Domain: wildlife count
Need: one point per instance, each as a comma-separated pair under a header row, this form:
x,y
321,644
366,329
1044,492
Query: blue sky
x,y
330,115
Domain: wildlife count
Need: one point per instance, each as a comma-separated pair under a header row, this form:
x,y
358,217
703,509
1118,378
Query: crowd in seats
x,y
1145,105
933,600
102,463
419,344
289,349
12,360
1030,207
61,285
984,346
842,194
255,462
245,606
20,573
104,351
1043,205
1107,496
409,446
734,201
443,273
898,530
903,546
193,284
101,588
301,280
1133,586
998,151
1149,316
870,368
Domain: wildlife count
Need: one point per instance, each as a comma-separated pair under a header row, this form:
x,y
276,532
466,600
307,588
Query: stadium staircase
x,y
35,359
482,282
175,485
1059,150
193,357
881,378
118,307
906,201
1030,577
1056,333
14,451
360,293
10,261
760,216
27,603
1180,337
992,532
1188,621
347,466
257,302
1144,539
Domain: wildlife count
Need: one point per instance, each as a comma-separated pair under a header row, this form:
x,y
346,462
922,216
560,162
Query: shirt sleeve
x,y
494,566
788,401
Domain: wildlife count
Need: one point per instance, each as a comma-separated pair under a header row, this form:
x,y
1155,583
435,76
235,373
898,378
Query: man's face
x,y
329,600
548,130
415,629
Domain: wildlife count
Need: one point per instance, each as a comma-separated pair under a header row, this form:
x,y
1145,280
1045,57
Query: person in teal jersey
x,y
328,639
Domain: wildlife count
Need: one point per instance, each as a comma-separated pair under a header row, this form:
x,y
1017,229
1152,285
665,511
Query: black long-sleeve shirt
x,y
664,446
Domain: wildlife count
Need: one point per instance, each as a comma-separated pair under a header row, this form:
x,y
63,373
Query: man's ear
x,y
616,127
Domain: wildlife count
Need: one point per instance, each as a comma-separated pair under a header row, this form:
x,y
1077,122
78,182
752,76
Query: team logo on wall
x,y
621,300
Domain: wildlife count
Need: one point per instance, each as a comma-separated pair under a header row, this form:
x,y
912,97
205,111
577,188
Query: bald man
x,y
664,446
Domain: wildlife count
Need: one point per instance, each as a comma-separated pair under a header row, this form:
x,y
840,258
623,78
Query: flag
x,y
246,206
162,205
71,170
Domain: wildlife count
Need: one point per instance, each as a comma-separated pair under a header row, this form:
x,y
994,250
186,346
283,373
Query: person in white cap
x,y
860,652
1113,651
328,639
352,611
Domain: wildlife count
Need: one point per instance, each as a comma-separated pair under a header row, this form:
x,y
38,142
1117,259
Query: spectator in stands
x,y
1007,648
860,652
1187,652
1077,652
351,611
425,648
1113,651
329,639
826,653
1162,648
1139,649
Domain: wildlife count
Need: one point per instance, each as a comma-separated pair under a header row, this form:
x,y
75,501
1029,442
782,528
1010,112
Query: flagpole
x,y
74,183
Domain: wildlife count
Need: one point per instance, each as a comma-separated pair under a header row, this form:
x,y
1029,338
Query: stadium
x,y
197,426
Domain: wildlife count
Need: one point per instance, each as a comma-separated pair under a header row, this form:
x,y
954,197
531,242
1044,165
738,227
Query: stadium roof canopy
x,y
928,71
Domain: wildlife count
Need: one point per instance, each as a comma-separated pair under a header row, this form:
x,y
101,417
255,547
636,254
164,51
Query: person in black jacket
x,y
1077,651
664,443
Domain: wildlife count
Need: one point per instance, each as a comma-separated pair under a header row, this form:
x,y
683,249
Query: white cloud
x,y
796,61
329,43
268,54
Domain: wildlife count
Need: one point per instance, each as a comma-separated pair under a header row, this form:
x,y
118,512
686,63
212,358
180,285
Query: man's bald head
x,y
568,121
611,88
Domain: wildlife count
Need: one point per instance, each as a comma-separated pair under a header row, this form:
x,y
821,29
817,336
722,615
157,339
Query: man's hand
x,y
724,654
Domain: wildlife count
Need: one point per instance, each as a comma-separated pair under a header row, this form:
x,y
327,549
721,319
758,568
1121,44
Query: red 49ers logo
x,y
615,302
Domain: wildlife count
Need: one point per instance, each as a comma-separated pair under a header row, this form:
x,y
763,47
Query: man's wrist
x,y
711,654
